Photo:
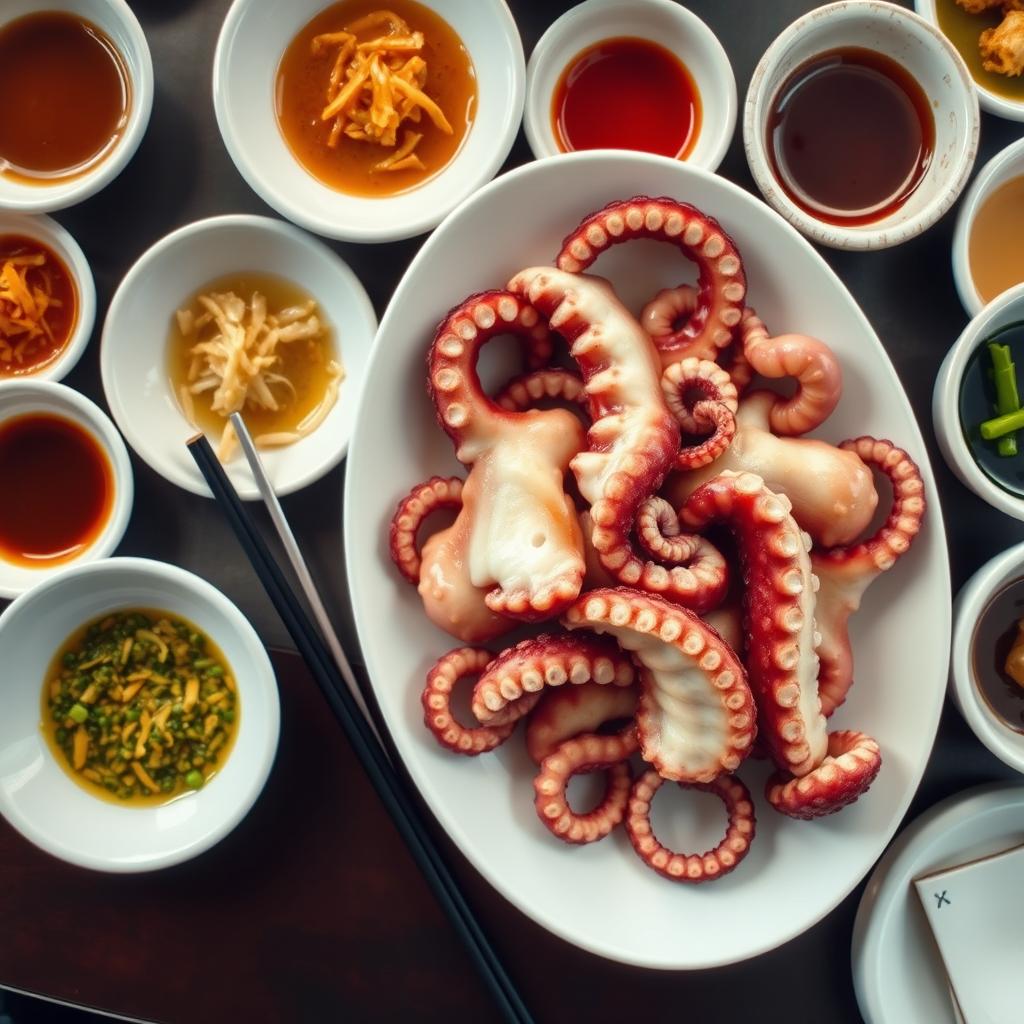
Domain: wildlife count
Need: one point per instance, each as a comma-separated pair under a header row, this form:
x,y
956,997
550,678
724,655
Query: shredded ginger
x,y
24,304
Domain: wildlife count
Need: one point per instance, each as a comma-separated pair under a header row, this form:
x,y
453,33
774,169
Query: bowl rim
x,y
386,231
70,404
247,489
990,177
556,45
40,199
867,237
147,568
55,236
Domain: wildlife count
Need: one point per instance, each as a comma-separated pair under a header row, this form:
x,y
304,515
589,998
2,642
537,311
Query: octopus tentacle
x,y
433,494
660,535
524,392
696,717
846,572
721,282
847,771
779,607
436,698
716,408
810,361
694,867
513,682
585,754
568,712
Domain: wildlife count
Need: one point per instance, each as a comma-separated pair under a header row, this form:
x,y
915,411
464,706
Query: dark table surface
x,y
311,911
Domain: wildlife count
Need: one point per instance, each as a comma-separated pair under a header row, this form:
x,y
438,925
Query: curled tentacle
x,y
847,771
714,409
693,867
437,713
660,535
515,679
436,493
568,712
846,572
585,754
721,283
524,392
810,361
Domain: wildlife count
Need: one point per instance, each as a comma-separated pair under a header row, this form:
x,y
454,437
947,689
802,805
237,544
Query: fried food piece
x,y
1002,47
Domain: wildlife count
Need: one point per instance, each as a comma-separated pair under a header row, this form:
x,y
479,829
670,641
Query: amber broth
x,y
66,93
996,246
962,30
302,87
305,363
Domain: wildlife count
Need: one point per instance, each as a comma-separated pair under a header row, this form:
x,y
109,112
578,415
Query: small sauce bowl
x,y
928,57
23,397
660,21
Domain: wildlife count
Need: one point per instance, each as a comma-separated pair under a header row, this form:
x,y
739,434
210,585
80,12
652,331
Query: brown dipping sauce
x,y
850,136
993,637
58,490
66,95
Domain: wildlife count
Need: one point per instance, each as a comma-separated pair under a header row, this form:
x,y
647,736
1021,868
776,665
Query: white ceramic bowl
x,y
972,600
49,808
661,21
116,19
1001,311
25,396
929,57
254,37
57,238
991,102
133,356
1006,164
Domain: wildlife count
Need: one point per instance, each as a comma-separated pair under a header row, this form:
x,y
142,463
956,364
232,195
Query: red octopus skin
x,y
585,754
721,282
567,712
515,679
633,439
521,393
425,498
849,768
694,867
715,409
846,572
696,717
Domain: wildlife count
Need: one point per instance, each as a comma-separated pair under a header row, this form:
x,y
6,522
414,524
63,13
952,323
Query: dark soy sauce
x,y
993,637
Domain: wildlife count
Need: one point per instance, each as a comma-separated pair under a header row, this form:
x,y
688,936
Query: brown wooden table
x,y
311,910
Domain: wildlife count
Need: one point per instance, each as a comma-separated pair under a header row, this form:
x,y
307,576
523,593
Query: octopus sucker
x,y
714,409
521,393
436,493
692,868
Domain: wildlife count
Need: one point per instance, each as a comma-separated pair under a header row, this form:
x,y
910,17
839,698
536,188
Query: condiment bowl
x,y
37,796
661,21
928,57
59,240
1007,164
968,607
134,358
1003,310
254,37
23,397
118,21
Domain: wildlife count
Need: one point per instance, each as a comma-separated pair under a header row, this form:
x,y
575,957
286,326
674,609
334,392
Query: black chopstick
x,y
397,801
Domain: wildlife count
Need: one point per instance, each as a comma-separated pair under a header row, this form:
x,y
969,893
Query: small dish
x,y
991,101
660,21
24,396
134,359
949,430
252,40
1007,164
40,800
57,238
118,21
928,57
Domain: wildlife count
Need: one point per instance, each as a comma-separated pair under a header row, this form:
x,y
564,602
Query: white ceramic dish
x,y
661,21
897,971
253,39
25,396
1006,164
133,358
972,600
60,241
1001,311
118,21
50,809
929,57
601,897
991,102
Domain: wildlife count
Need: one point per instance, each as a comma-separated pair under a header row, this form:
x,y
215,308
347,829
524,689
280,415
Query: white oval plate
x,y
601,897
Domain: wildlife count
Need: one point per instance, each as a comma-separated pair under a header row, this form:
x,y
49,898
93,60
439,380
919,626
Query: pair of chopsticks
x,y
332,673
